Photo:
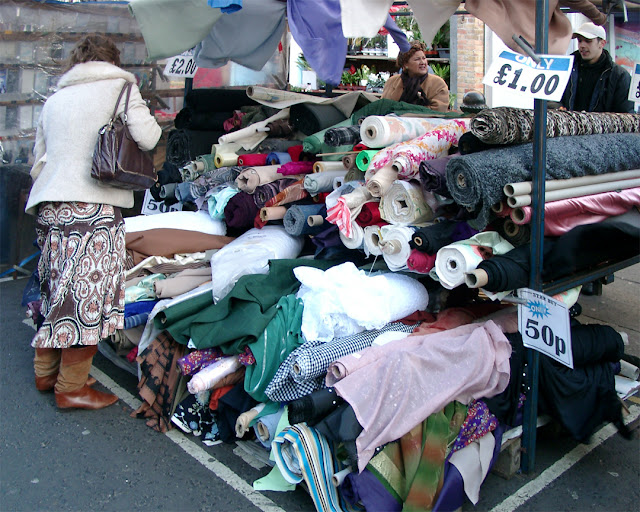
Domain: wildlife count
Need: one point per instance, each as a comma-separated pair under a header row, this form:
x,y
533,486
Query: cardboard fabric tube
x,y
476,278
272,213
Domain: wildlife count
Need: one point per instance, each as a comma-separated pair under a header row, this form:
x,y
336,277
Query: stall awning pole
x,y
537,240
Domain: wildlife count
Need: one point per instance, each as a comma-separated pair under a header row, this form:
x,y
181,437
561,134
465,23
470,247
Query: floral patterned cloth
x,y
406,156
478,423
81,271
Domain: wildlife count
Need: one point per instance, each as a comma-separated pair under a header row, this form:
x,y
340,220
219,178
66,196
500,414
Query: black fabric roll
x,y
342,136
185,145
341,426
476,181
515,234
469,143
314,407
430,239
230,406
187,118
581,248
169,173
310,118
593,343
276,144
217,100
433,175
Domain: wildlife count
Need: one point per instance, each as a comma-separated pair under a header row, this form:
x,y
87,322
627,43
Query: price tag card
x,y
150,206
183,65
544,81
544,324
634,89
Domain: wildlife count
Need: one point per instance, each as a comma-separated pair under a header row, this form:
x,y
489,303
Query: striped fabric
x,y
302,453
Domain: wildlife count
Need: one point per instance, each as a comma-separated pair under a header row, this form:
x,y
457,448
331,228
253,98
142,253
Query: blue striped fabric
x,y
135,320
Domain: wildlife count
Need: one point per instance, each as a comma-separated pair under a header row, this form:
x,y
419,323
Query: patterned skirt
x,y
81,272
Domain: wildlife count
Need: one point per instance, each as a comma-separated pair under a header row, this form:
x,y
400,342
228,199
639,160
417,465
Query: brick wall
x,y
470,55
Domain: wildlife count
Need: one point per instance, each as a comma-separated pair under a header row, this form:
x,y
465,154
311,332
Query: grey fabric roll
x,y
295,220
476,181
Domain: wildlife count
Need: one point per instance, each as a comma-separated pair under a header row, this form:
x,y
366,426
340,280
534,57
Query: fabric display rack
x,y
337,293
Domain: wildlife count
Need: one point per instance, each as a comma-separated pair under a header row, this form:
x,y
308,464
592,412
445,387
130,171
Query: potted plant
x,y
441,41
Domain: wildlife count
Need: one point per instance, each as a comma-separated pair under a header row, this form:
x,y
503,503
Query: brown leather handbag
x,y
118,161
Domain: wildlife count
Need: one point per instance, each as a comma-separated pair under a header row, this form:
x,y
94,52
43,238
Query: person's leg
x,y
71,389
45,364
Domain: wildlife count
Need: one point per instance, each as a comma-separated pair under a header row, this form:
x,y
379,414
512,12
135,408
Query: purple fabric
x,y
398,36
366,488
433,176
316,25
478,423
462,232
240,211
302,167
198,359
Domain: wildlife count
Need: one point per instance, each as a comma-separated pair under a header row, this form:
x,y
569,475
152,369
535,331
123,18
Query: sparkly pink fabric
x,y
394,387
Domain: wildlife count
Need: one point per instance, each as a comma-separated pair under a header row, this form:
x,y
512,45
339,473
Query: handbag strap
x,y
126,87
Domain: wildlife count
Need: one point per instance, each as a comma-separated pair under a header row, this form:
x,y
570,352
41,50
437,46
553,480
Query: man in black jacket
x,y
597,84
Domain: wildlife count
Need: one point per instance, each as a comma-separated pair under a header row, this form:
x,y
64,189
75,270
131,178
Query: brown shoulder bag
x,y
118,161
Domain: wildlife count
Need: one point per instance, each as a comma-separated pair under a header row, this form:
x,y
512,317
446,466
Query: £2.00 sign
x,y
545,80
183,65
543,323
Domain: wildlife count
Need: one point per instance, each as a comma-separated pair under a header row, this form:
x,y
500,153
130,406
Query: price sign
x,y
544,324
150,206
634,89
183,65
520,73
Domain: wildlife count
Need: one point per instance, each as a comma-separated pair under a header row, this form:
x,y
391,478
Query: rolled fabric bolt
x,y
363,159
242,423
339,477
198,166
520,215
381,181
629,370
272,213
252,159
338,181
373,235
566,193
278,157
263,431
225,160
328,166
168,190
525,187
356,240
501,209
349,161
390,247
477,278
315,220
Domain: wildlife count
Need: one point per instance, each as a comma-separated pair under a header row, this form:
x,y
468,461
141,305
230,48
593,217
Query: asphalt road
x,y
53,460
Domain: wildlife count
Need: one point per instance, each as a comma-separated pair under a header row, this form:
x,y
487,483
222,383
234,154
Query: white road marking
x,y
526,492
203,457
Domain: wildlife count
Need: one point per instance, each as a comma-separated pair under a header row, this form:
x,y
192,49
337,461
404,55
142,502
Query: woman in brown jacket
x,y
415,84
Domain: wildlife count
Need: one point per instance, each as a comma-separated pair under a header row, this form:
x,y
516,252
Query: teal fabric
x,y
244,313
384,106
282,336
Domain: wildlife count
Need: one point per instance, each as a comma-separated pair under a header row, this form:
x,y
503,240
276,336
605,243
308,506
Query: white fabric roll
x,y
344,300
199,221
252,135
382,131
404,205
395,247
356,240
454,261
250,254
373,235
212,374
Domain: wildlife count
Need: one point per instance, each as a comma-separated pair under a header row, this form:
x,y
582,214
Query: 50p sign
x,y
543,323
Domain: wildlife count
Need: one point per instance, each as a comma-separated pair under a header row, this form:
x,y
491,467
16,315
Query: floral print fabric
x,y
81,272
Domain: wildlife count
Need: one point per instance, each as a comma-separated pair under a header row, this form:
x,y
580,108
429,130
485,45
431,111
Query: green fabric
x,y
364,158
168,317
385,106
244,313
282,336
412,469
143,289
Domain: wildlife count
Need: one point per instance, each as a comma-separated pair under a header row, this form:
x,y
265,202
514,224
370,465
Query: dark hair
x,y
94,47
416,46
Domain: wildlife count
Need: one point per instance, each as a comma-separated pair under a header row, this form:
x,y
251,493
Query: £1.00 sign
x,y
634,88
183,65
545,80
543,323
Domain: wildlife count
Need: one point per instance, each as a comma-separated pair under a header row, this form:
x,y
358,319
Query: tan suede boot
x,y
46,363
71,388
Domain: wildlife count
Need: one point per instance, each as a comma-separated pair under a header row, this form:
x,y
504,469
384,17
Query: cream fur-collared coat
x,y
68,130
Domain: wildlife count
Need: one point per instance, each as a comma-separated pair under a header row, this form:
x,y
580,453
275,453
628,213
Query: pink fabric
x,y
394,387
290,168
561,216
340,215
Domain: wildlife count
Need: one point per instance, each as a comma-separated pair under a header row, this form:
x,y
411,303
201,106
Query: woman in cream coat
x,y
79,225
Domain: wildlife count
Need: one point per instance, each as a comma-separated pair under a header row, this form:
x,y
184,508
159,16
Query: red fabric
x,y
369,215
294,152
216,395
421,261
360,147
252,159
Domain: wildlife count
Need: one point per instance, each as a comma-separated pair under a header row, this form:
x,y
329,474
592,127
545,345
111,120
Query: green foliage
x,y
409,26
441,39
441,70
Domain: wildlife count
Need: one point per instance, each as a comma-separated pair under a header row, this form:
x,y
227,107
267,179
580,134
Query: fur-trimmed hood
x,y
93,71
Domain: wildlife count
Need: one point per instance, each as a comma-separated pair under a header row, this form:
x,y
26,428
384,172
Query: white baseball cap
x,y
590,31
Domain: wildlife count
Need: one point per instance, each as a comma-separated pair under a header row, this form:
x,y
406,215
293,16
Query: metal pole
x,y
537,240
